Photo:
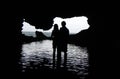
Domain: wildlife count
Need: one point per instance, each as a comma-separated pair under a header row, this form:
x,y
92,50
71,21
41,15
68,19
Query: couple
x,y
60,41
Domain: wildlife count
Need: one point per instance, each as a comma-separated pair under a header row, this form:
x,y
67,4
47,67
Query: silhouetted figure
x,y
62,44
54,36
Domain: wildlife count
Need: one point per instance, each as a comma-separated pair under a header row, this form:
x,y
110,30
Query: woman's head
x,y
55,26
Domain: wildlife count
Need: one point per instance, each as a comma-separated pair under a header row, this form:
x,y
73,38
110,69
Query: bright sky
x,y
28,27
75,24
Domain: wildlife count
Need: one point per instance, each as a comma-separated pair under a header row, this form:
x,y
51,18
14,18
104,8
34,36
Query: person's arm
x,y
68,36
52,34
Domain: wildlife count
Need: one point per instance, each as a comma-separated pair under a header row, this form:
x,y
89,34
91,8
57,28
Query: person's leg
x,y
54,53
65,59
58,58
54,57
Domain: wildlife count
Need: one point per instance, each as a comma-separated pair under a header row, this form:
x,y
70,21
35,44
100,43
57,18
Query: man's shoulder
x,y
67,29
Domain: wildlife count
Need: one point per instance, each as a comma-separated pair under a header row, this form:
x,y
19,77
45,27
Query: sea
x,y
37,51
30,33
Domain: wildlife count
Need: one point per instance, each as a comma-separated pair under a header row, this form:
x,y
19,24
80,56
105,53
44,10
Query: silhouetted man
x,y
63,41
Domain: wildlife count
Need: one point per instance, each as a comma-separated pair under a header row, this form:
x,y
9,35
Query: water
x,y
33,34
37,52
29,33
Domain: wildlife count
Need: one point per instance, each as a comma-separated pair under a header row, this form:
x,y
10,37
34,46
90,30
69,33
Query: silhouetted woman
x,y
55,36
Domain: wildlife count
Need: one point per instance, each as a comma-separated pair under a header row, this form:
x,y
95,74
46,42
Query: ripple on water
x,y
39,52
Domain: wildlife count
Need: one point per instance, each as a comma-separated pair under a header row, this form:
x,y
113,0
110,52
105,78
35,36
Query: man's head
x,y
63,23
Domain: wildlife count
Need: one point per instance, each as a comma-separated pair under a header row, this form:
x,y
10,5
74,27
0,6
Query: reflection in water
x,y
40,53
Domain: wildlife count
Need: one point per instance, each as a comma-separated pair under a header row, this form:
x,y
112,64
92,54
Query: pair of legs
x,y
59,58
54,50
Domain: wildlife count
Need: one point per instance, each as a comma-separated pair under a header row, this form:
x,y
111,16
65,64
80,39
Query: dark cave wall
x,y
88,35
93,38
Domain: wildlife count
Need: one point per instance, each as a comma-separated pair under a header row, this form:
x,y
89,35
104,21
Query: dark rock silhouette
x,y
40,35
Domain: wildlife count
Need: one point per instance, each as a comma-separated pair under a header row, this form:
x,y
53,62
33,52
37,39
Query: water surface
x,y
41,53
